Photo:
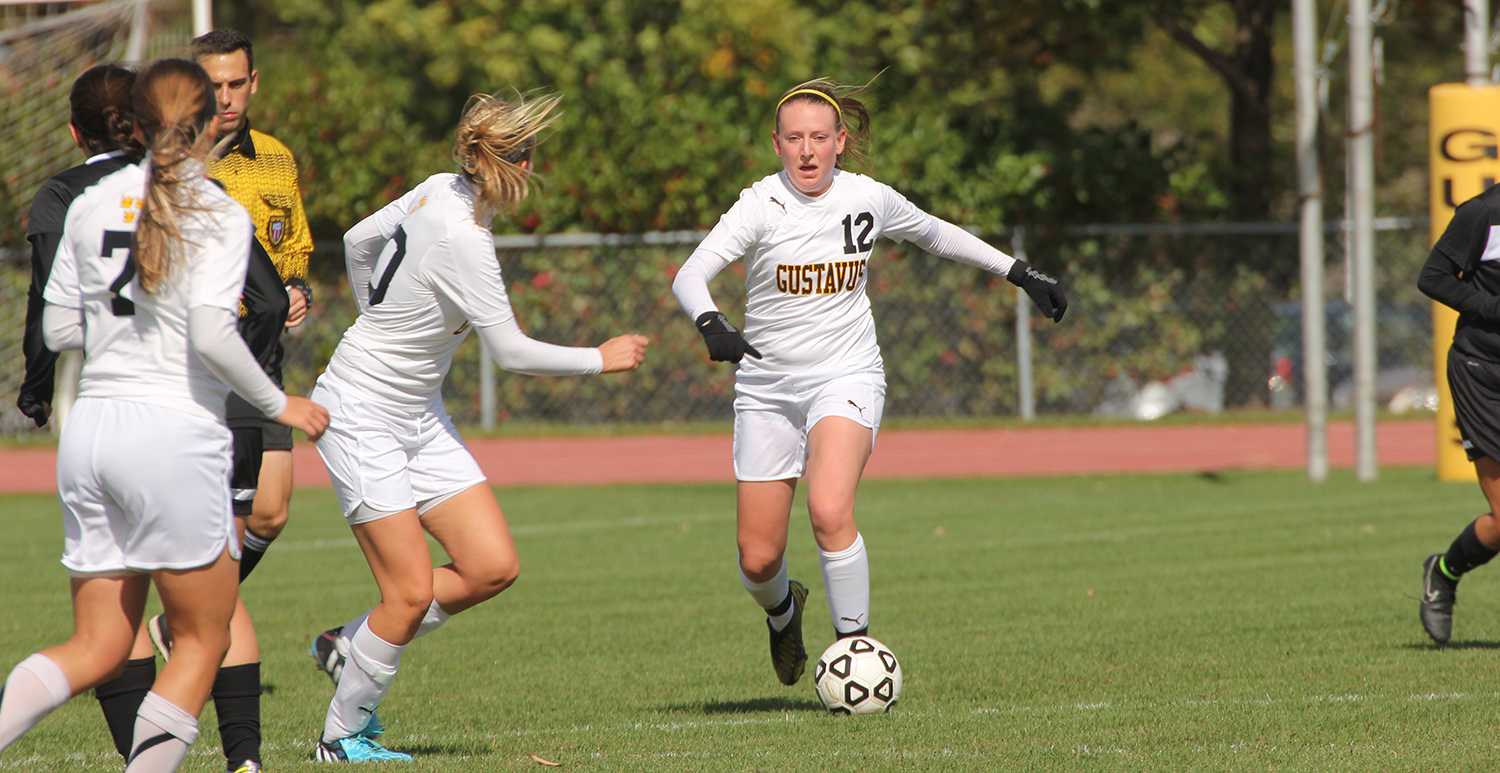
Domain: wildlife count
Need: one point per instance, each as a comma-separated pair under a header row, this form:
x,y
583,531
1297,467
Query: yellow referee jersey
x,y
261,174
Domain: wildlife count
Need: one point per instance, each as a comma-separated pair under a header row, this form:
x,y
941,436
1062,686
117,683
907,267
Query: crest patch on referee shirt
x,y
276,230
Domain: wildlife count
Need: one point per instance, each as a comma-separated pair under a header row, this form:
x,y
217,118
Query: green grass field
x,y
1174,623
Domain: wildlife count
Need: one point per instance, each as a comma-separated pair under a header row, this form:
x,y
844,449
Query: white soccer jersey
x,y
807,312
429,276
136,343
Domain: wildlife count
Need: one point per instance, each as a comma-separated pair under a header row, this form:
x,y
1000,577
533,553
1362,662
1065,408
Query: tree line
x,y
992,113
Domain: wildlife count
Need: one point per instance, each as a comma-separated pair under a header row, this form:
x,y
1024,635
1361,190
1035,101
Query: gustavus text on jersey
x,y
819,278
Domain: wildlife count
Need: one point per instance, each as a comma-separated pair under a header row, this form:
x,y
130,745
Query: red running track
x,y
1137,448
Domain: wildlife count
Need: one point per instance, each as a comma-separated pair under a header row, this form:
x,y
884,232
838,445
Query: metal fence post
x,y
1310,192
1023,334
1361,149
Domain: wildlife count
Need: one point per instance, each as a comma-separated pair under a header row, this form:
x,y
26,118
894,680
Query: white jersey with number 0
x,y
136,343
434,277
805,259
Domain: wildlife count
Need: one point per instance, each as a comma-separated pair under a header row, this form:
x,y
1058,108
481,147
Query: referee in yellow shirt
x,y
261,174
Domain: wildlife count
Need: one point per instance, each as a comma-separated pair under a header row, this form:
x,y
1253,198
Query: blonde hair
x,y
849,114
174,102
494,137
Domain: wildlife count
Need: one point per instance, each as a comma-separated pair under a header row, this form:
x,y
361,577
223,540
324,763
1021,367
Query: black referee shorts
x,y
246,475
1475,386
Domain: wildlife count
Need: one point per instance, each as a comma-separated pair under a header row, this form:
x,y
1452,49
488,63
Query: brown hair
x,y
223,41
174,102
101,110
849,114
494,137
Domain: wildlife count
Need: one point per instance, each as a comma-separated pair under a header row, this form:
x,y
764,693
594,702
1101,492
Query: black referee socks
x,y
237,701
253,548
120,698
1466,553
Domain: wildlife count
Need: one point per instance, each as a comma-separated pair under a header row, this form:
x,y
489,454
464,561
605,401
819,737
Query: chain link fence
x,y
1211,311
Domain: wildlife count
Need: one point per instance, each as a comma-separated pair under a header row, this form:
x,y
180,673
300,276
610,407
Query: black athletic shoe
x,y
330,652
1438,594
787,654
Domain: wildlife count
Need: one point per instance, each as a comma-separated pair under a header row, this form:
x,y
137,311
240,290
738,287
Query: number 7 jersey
x,y
136,343
424,272
805,270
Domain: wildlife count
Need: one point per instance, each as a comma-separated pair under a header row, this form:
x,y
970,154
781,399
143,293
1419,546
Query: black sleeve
x,y
266,307
44,230
1454,258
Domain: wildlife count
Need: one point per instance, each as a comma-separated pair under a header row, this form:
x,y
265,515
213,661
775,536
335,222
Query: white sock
x,y
368,674
163,733
350,627
846,578
770,594
432,621
34,689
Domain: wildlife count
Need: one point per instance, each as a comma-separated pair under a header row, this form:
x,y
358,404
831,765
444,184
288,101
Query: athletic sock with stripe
x,y
163,733
367,676
773,595
1466,554
253,549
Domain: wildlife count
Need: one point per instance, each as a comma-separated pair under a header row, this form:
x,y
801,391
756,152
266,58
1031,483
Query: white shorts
x,y
382,462
772,418
143,487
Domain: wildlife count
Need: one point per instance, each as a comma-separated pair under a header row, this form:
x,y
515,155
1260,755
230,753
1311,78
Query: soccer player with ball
x,y
810,394
424,273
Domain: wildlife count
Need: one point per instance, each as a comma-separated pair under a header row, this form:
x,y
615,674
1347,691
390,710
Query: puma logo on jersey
x,y
777,203
840,276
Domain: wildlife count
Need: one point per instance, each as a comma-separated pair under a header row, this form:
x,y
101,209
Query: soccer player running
x,y
1462,273
808,400
424,274
261,174
147,280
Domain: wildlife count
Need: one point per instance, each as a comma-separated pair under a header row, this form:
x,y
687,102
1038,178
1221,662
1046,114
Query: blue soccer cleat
x,y
356,748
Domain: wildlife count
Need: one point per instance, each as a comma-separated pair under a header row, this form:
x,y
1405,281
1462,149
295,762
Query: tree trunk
x,y
1248,70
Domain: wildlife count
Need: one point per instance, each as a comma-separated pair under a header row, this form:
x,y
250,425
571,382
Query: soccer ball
x,y
858,675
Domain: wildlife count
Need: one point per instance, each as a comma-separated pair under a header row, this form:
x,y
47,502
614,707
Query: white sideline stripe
x,y
537,528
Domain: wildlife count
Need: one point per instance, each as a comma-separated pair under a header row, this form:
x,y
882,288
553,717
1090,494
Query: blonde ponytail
x,y
494,138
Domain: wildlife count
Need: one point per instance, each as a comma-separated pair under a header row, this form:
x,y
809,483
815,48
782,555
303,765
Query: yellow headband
x,y
831,100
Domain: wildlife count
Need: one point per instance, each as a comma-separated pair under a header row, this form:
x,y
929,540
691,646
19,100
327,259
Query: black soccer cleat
x,y
1438,595
330,652
788,656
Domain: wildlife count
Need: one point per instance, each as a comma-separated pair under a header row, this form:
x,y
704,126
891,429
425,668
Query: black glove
x,y
34,408
725,344
1045,291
